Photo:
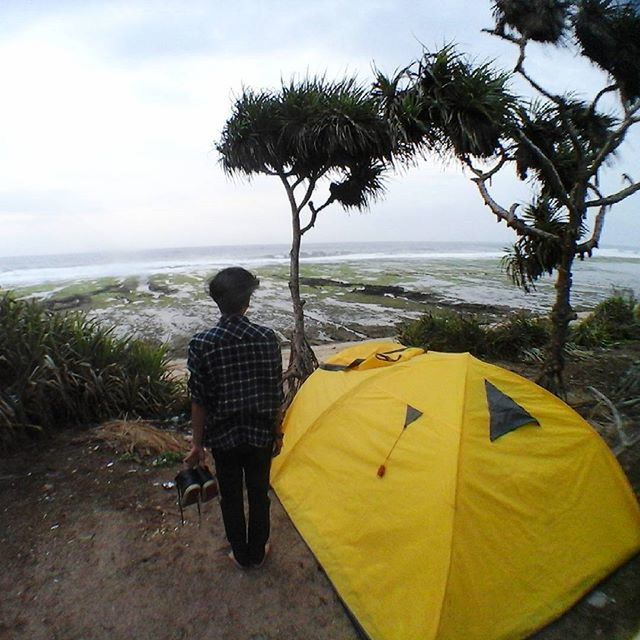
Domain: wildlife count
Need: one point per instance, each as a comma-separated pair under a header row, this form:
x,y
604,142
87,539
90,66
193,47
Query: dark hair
x,y
231,289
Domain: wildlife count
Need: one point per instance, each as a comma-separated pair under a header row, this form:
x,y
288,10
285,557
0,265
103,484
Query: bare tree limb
x,y
297,182
614,139
595,189
614,197
594,241
314,214
486,175
594,104
290,195
551,172
631,110
559,100
509,216
309,192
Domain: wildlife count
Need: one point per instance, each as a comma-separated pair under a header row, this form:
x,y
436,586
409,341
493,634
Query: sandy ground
x,y
91,547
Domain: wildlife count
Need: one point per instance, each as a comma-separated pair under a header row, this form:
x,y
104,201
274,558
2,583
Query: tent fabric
x,y
463,536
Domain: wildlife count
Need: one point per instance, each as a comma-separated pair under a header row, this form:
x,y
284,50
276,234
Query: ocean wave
x,y
31,271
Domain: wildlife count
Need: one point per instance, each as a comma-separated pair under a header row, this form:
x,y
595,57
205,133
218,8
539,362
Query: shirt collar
x,y
233,319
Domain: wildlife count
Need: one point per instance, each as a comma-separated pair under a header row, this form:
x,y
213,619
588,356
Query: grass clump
x,y
613,320
444,331
452,332
521,334
58,370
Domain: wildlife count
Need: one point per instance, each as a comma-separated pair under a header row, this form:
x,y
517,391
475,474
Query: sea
x,y
609,268
449,273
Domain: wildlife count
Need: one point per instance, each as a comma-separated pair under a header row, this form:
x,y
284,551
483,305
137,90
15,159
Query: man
x,y
236,392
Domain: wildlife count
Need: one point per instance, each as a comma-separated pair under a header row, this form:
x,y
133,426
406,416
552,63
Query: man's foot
x,y
267,548
235,561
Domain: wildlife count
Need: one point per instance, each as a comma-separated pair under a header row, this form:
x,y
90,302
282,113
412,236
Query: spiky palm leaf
x,y
531,257
608,33
445,102
468,105
540,20
58,370
306,129
569,135
362,184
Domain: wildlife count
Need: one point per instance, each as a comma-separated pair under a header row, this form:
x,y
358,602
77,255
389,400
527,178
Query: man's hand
x,y
195,457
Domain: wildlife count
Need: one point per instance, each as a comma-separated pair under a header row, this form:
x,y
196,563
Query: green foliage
x,y
58,370
608,33
444,331
612,320
531,256
444,101
452,332
615,319
310,129
540,20
520,334
570,133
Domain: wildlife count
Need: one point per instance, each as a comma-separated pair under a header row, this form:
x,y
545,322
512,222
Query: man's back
x,y
236,374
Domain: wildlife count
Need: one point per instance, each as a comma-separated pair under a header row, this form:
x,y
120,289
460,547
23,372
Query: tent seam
x,y
340,402
455,500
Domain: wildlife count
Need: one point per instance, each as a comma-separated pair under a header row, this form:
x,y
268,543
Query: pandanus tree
x,y
317,137
558,143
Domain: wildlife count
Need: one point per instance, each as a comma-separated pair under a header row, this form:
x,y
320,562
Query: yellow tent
x,y
449,498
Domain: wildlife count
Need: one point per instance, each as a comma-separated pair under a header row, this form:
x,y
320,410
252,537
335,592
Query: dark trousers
x,y
253,465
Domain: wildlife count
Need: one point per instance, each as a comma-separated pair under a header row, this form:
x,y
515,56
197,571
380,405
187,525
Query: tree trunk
x,y
562,314
302,360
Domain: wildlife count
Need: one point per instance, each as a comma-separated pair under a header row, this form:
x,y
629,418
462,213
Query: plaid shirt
x,y
236,375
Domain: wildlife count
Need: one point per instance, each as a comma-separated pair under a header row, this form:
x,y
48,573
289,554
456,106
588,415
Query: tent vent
x,y
505,413
412,415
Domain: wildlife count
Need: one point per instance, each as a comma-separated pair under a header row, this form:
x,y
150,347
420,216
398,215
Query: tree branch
x,y
558,100
593,242
614,197
313,180
607,89
289,190
314,215
551,172
510,217
614,139
308,193
487,175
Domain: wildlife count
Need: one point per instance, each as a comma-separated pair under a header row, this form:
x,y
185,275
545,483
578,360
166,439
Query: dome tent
x,y
449,498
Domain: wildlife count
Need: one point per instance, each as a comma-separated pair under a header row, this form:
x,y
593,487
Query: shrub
x,y
612,320
63,369
449,331
444,331
518,335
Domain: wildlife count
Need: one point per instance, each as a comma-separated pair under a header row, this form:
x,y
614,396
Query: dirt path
x,y
91,549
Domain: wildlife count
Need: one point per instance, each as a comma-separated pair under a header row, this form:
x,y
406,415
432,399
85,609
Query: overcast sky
x,y
109,111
